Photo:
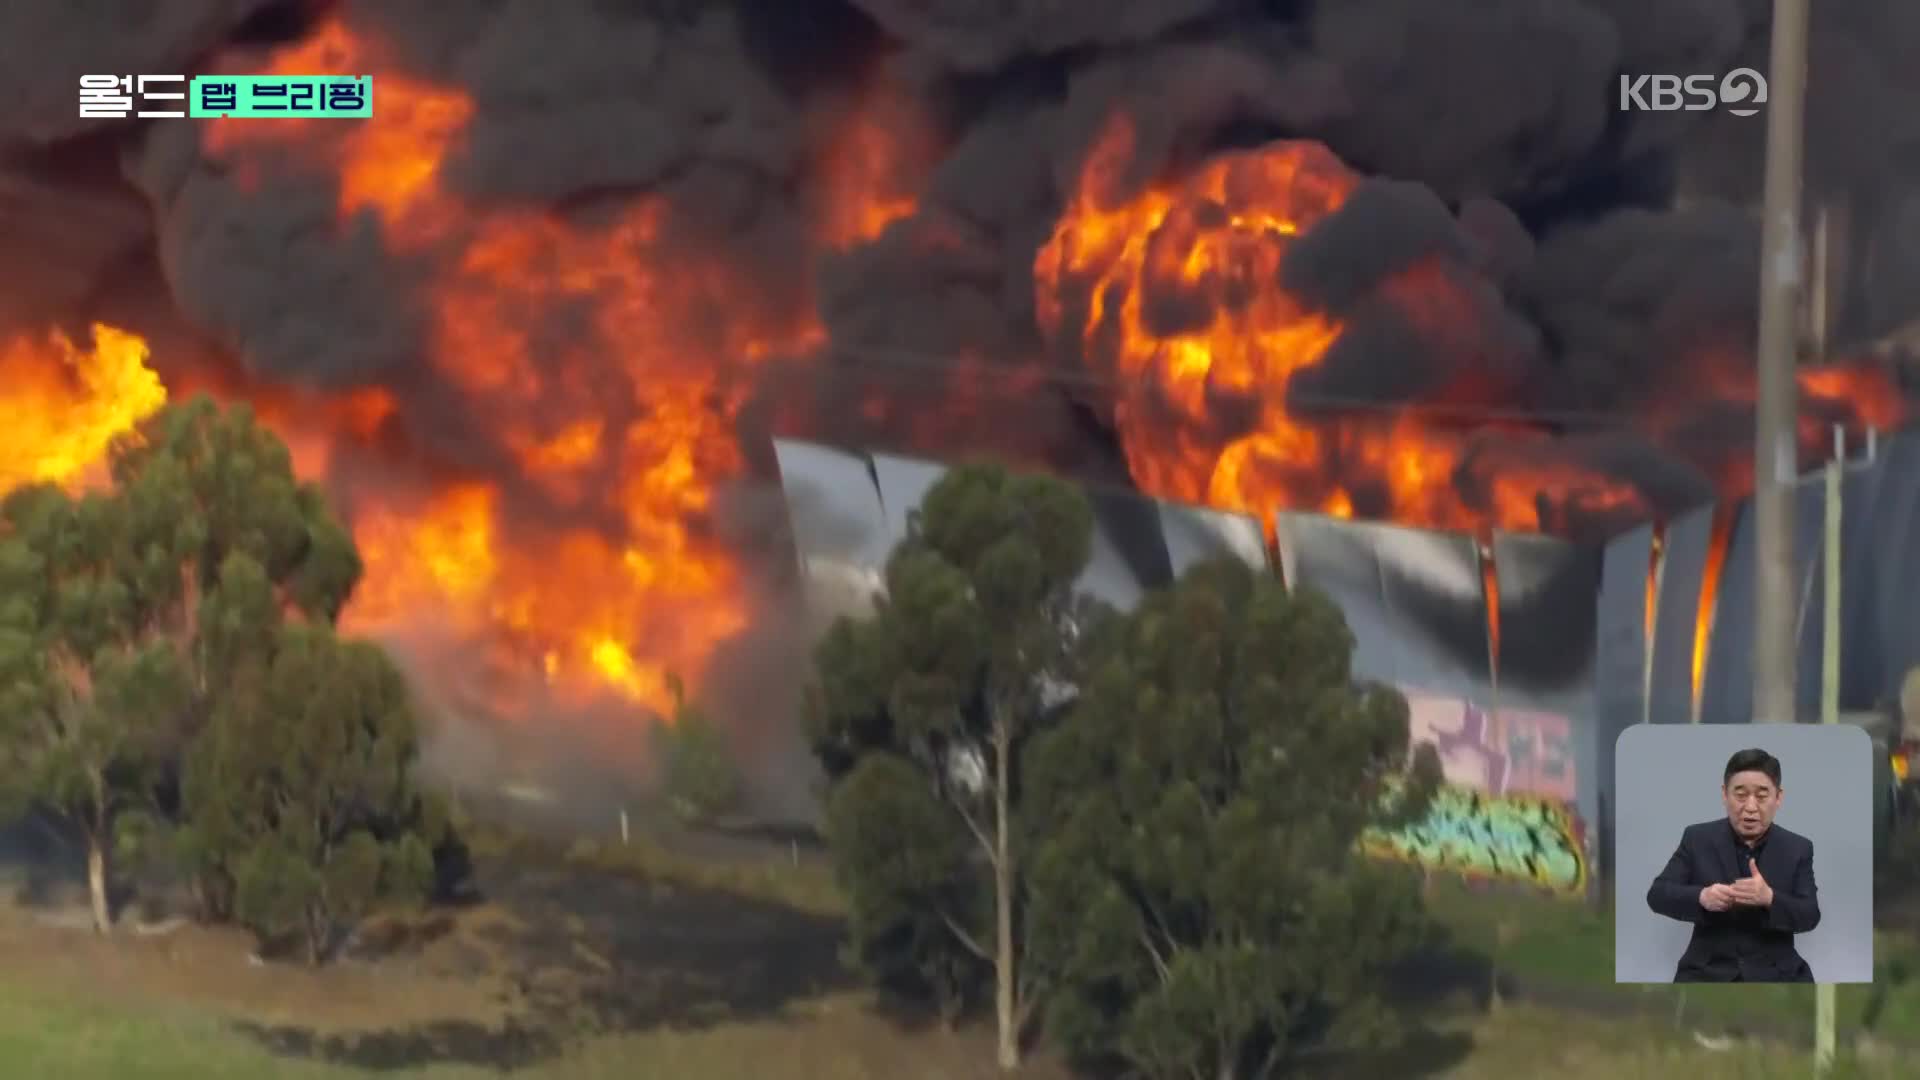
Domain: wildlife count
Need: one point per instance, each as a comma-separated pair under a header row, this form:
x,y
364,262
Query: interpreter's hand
x,y
1753,889
1716,897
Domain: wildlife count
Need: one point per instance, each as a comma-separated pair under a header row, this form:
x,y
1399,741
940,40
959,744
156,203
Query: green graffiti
x,y
1503,837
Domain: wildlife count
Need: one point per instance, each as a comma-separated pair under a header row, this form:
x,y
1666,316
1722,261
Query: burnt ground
x,y
553,950
582,952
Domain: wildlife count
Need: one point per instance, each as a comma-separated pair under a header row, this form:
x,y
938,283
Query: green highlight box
x,y
344,97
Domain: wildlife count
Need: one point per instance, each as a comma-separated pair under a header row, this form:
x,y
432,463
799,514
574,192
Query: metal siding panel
x,y
1726,685
1620,699
1621,618
1194,534
1870,504
1110,575
1437,597
832,505
1412,597
1549,595
1810,513
904,482
1895,540
839,531
1670,698
1123,522
1335,558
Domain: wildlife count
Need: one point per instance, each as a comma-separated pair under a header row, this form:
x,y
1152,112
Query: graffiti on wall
x,y
1515,837
1505,810
1499,752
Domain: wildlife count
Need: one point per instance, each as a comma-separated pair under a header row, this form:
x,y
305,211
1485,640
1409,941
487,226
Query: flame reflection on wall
x,y
1719,541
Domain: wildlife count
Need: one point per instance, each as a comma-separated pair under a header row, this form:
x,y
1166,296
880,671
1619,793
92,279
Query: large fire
x,y
1174,299
1185,314
637,424
584,560
632,429
60,406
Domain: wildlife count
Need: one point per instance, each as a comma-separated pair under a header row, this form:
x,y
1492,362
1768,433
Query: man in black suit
x,y
1744,883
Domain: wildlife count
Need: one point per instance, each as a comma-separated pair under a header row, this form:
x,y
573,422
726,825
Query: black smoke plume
x,y
1597,255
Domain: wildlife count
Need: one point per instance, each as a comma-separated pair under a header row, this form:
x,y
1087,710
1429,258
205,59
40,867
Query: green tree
x,y
89,694
919,715
299,792
228,545
1199,906
210,498
696,766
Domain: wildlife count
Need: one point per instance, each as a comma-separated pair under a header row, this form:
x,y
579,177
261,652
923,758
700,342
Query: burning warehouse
x,y
537,321
1522,656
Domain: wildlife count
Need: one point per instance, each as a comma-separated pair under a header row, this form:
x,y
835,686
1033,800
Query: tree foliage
x,y
1198,903
130,616
919,715
90,696
299,796
204,484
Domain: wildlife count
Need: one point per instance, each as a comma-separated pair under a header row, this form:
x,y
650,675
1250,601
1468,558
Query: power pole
x,y
1776,444
1823,998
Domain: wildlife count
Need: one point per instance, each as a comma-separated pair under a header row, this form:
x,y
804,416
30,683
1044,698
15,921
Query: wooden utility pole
x,y
1783,272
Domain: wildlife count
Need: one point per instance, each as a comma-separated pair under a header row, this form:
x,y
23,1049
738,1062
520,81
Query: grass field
x,y
89,1037
642,961
74,1037
1551,945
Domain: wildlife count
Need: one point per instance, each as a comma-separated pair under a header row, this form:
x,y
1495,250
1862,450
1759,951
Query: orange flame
x,y
1183,311
1719,540
1867,393
60,407
870,173
634,430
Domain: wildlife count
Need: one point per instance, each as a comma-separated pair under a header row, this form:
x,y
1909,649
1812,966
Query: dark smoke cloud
x,y
1635,300
611,101
981,35
1384,227
1862,106
1180,98
68,226
254,266
1523,245
1667,485
46,45
1480,99
605,106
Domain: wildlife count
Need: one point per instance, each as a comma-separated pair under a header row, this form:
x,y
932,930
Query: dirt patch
x,y
582,953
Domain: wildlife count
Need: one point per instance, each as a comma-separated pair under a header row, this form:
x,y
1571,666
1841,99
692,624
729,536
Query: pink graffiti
x,y
1510,751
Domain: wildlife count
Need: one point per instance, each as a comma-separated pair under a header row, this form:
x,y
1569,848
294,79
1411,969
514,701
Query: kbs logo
x,y
1741,92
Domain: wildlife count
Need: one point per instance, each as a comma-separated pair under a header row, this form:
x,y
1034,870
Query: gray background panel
x,y
1670,778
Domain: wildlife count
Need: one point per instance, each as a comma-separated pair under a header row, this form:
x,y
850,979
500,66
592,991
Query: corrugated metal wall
x,y
1573,622
849,509
1880,596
